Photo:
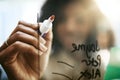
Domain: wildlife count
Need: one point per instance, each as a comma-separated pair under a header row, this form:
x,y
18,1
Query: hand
x,y
27,53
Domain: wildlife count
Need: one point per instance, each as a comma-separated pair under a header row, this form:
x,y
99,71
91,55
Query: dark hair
x,y
55,6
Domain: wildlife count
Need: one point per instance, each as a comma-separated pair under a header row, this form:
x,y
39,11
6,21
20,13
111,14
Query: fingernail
x,y
40,54
42,40
42,47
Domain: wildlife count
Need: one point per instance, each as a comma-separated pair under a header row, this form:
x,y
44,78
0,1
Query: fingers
x,y
33,26
43,48
26,33
25,29
23,37
10,52
42,40
48,37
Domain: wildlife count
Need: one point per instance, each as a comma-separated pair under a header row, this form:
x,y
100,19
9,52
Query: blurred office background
x,y
111,9
11,11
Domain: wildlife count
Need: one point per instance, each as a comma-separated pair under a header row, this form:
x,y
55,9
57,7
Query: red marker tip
x,y
52,18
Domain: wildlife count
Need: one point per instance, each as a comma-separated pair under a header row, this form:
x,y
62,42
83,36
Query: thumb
x,y
48,37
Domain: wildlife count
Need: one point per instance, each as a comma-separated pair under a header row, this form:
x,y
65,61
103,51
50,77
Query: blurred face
x,y
74,25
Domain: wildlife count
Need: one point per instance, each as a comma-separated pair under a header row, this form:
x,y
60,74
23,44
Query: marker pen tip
x,y
52,17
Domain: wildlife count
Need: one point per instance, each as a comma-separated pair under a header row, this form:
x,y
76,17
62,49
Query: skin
x,y
20,59
26,56
75,25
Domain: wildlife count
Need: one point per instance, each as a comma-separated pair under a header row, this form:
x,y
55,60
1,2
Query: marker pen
x,y
46,25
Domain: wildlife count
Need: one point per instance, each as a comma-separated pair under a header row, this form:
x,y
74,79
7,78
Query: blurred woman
x,y
25,55
76,22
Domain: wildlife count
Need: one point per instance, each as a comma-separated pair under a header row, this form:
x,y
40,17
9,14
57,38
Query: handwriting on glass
x,y
95,72
90,61
93,47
